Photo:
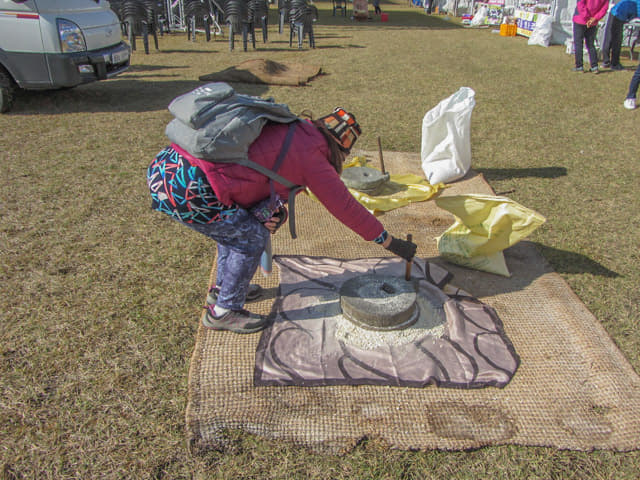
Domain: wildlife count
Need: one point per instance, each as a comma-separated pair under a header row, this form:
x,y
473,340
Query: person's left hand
x,y
272,225
275,222
591,22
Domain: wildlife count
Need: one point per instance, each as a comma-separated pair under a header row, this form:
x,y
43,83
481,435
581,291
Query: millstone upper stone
x,y
364,179
379,302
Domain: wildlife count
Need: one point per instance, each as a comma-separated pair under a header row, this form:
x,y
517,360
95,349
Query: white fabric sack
x,y
480,16
541,34
446,138
568,44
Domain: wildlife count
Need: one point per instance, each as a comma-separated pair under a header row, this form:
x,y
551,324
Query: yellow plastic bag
x,y
399,191
485,225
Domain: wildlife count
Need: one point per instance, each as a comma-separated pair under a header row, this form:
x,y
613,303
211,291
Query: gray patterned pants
x,y
241,238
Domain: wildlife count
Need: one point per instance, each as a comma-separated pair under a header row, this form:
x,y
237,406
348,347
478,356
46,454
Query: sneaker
x,y
254,293
630,104
617,67
595,70
578,69
238,321
606,65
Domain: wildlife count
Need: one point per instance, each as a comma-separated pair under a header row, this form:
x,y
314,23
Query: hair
x,y
336,154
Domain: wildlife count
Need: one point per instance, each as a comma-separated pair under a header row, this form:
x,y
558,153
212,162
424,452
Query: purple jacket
x,y
306,163
586,9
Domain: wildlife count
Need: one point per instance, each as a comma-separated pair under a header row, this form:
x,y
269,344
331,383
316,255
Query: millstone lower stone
x,y
364,179
379,302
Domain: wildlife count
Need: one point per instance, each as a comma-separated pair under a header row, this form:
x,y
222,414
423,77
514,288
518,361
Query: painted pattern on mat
x,y
301,346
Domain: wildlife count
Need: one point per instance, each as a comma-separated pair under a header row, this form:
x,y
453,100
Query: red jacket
x,y
306,163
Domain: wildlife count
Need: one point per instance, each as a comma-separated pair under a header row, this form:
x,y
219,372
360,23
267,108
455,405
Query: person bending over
x,y
225,201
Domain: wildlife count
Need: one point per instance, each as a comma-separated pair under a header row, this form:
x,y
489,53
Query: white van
x,y
48,44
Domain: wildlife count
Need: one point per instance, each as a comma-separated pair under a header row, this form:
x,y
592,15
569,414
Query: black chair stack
x,y
340,5
153,12
259,13
236,15
283,9
301,17
138,18
198,13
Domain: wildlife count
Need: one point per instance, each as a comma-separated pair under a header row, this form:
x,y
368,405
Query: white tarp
x,y
561,11
466,6
562,28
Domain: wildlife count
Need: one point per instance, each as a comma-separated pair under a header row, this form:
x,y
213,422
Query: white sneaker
x,y
630,103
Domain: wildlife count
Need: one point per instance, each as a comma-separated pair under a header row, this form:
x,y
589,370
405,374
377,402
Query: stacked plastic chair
x,y
340,5
301,18
283,9
153,10
198,13
236,15
259,13
138,17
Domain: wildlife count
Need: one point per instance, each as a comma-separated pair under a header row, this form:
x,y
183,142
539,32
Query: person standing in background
x,y
430,6
620,14
630,101
585,26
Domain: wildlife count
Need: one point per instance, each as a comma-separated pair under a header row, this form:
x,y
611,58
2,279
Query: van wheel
x,y
7,91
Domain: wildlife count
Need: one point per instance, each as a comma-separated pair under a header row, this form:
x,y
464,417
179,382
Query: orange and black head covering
x,y
343,127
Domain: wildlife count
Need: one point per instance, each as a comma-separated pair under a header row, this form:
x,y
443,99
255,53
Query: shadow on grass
x,y
151,68
151,75
405,19
397,21
305,47
527,261
117,95
331,36
283,45
564,261
190,52
539,172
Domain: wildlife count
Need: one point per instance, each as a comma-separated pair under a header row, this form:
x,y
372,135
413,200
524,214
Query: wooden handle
x,y
380,155
407,272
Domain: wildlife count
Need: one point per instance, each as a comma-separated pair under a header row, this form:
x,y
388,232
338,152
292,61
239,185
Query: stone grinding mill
x,y
364,179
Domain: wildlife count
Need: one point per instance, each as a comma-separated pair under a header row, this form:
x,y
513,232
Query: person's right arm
x,y
326,185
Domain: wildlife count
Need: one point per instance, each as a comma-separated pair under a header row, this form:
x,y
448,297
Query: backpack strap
x,y
293,190
271,173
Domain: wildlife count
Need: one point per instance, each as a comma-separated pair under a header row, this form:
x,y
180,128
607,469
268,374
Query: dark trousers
x,y
430,6
583,34
635,82
612,43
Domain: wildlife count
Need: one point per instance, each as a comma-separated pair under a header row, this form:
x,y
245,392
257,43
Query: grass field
x,y
100,296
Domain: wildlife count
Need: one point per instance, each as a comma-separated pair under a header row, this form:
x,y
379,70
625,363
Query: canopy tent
x,y
561,11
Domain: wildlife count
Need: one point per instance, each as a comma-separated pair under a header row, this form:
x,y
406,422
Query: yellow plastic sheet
x,y
399,191
485,225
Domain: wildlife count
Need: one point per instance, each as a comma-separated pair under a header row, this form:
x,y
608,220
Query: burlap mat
x,y
266,71
573,388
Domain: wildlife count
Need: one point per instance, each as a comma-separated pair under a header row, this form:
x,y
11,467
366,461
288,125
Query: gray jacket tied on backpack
x,y
215,123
